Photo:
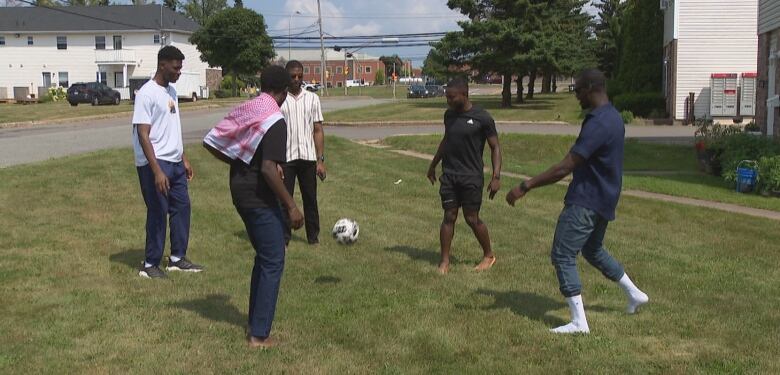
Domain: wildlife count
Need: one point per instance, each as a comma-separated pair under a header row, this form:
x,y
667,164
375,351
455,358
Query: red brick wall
x,y
337,77
762,93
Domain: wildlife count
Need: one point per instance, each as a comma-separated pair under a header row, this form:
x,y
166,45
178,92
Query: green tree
x,y
201,10
235,39
238,4
608,35
379,79
436,66
171,4
641,59
392,62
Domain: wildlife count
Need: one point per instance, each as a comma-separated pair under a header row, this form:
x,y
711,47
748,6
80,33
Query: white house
x,y
44,47
703,38
767,98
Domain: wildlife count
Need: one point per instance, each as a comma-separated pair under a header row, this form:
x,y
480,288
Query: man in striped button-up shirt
x,y
305,148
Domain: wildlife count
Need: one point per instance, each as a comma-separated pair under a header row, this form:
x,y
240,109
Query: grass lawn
x,y
71,236
532,154
551,107
62,110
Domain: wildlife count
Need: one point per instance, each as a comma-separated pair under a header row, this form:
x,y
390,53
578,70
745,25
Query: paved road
x,y
32,144
28,145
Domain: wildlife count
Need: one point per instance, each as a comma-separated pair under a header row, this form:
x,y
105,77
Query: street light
x,y
289,35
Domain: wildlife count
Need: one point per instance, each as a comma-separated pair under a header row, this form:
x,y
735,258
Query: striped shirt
x,y
301,112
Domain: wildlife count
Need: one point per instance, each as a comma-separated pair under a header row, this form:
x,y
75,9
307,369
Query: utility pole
x,y
322,50
394,78
289,35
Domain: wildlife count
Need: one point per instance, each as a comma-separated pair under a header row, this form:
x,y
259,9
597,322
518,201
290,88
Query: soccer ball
x,y
346,231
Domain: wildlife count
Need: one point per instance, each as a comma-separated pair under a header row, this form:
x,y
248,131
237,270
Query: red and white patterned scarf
x,y
239,134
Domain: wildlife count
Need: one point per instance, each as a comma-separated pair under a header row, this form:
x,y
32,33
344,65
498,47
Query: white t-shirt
x,y
301,112
159,107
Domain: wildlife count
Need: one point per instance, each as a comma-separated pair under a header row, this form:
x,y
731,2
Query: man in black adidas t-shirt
x,y
466,128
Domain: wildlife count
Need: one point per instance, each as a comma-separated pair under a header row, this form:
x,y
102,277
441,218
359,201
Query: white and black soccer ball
x,y
346,231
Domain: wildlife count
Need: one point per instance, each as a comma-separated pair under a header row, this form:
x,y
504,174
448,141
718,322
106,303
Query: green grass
x,y
532,154
551,107
71,236
377,92
10,113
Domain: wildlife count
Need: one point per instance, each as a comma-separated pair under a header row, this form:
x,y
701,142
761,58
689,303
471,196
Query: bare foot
x,y
444,268
256,342
485,264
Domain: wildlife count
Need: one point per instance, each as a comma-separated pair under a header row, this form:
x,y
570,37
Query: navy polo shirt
x,y
597,183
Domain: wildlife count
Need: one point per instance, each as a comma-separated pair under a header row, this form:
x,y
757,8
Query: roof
x,y
314,54
93,18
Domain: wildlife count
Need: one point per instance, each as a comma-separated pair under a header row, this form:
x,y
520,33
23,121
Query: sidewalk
x,y
727,207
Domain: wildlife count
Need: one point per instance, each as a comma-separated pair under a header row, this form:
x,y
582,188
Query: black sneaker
x,y
152,272
183,265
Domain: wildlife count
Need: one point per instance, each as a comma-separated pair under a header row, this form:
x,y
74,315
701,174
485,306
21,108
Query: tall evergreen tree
x,y
609,35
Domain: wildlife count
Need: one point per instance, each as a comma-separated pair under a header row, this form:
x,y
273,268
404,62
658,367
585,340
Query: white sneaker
x,y
635,300
572,328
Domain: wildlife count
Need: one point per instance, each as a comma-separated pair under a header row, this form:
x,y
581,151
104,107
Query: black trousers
x,y
306,173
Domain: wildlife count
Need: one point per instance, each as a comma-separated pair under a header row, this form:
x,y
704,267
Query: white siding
x,y
671,22
715,36
23,65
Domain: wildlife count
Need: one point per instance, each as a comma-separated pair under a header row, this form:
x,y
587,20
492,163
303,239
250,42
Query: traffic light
x,y
327,74
346,70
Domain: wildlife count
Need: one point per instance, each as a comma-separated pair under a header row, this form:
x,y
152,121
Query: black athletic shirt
x,y
247,184
464,141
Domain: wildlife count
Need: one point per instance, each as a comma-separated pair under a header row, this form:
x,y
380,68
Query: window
x,y
329,70
2,40
117,42
368,69
306,70
317,70
101,76
63,79
62,42
30,41
156,38
100,42
339,70
119,79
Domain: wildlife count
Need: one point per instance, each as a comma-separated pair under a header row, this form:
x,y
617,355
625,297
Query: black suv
x,y
95,93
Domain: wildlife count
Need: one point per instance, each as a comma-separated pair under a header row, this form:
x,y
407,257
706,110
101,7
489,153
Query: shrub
x,y
641,104
752,127
223,94
628,117
227,83
738,147
769,174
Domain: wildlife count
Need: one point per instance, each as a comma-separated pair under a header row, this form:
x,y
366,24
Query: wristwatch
x,y
321,158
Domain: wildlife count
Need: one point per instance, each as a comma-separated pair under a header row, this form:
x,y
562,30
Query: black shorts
x,y
461,191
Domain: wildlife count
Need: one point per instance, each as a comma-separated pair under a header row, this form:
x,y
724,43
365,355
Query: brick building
x,y
359,67
767,100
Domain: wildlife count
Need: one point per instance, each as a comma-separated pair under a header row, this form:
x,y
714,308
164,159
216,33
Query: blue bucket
x,y
747,176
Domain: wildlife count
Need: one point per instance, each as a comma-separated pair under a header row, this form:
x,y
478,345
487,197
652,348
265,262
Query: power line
x,y
369,17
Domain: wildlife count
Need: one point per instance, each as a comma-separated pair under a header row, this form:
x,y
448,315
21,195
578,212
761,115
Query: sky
x,y
361,17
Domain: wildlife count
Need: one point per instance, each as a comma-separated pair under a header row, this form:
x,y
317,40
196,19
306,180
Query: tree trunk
x,y
520,89
235,83
547,83
531,85
555,83
506,93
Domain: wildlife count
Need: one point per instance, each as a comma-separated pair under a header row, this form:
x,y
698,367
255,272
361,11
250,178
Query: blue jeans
x,y
581,229
161,210
266,232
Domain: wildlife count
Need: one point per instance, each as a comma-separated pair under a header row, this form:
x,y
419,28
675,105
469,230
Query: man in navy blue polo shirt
x,y
596,159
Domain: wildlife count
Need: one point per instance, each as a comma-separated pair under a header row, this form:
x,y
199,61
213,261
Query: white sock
x,y
578,322
635,296
175,259
147,265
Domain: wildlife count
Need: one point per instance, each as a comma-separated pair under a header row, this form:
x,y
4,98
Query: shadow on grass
x,y
131,258
242,235
215,307
529,305
418,254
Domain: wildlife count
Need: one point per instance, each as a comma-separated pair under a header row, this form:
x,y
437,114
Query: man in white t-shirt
x,y
163,169
305,149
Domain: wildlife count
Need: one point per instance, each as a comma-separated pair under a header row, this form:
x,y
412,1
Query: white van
x,y
189,86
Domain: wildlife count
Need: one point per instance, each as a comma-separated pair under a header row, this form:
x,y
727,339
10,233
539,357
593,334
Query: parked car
x,y
313,87
95,93
417,91
435,90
